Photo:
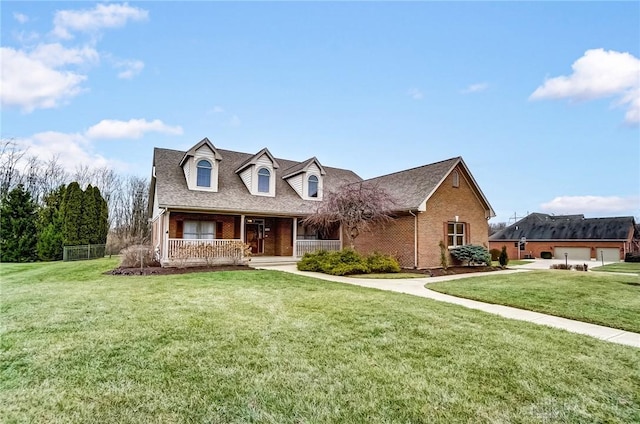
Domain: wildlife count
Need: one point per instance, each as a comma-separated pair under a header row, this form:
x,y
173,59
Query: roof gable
x,y
253,160
192,151
303,167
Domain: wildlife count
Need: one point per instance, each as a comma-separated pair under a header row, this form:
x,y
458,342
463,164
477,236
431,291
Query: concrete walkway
x,y
415,286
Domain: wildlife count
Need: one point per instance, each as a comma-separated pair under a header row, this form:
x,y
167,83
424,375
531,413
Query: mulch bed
x,y
453,270
156,270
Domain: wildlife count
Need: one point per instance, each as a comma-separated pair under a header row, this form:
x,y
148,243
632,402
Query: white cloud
x,y
20,17
235,121
217,109
30,83
133,128
130,68
415,94
599,74
475,88
591,204
55,55
93,20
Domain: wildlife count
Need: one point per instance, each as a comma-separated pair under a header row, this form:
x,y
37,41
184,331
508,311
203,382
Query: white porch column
x,y
242,228
295,237
165,235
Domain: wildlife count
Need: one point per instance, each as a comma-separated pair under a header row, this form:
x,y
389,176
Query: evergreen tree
x,y
504,257
18,226
88,222
102,217
50,233
72,216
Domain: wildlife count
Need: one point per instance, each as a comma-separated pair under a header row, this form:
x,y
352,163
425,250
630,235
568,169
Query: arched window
x,y
263,180
313,186
204,173
456,179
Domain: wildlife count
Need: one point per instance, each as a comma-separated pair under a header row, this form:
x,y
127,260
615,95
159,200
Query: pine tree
x,y
88,222
503,258
50,233
18,226
72,215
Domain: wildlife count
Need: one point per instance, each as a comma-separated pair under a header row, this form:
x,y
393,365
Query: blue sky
x,y
542,100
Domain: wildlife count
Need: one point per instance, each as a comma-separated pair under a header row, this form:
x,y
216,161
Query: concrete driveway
x,y
546,263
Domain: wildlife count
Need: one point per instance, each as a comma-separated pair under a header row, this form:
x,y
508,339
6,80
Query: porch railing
x,y
197,250
310,246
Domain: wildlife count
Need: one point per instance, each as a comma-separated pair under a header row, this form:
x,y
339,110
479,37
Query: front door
x,y
254,236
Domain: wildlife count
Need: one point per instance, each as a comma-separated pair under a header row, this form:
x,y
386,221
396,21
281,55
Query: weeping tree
x,y
356,207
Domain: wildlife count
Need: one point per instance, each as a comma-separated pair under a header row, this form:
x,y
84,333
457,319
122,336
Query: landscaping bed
x,y
157,270
453,270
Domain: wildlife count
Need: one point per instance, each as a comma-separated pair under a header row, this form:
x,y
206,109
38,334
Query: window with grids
x,y
456,233
313,186
199,230
263,180
204,173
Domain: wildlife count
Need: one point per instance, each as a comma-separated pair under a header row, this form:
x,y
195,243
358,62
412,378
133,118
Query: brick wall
x,y
397,237
534,248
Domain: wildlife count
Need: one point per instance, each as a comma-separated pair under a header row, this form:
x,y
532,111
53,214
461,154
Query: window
x,y
204,173
456,179
313,186
263,180
455,234
199,230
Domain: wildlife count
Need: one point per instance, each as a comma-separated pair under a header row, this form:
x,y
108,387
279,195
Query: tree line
x,y
57,199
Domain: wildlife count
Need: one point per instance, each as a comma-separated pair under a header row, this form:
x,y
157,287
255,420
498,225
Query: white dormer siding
x,y
250,176
190,168
300,182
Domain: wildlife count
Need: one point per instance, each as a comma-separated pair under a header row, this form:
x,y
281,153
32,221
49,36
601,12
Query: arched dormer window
x,y
313,186
204,173
263,180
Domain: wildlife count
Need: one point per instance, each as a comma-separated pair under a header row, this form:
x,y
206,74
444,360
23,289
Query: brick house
x,y
207,204
579,237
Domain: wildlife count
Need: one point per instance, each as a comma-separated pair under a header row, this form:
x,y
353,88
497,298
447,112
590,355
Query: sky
x,y
541,99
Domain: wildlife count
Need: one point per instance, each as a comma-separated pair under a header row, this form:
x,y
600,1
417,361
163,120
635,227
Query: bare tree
x,y
494,227
10,154
356,207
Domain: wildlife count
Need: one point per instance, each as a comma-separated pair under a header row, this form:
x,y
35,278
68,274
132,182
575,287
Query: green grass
x,y
610,300
270,347
512,262
630,267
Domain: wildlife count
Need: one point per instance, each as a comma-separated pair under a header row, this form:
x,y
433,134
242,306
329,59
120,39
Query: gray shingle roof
x,y
172,191
302,166
540,226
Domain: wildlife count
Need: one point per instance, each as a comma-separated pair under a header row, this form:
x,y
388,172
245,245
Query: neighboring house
x,y
207,203
579,237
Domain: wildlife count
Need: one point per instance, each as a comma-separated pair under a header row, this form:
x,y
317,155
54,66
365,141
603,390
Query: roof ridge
x,y
415,167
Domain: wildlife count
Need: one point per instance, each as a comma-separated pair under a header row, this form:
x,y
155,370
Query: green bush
x,y
347,262
546,255
503,258
495,254
379,263
313,261
632,257
472,254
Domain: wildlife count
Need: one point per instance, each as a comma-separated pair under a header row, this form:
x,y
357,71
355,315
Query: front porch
x,y
197,239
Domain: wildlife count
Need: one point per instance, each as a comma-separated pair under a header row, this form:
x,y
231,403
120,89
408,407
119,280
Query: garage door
x,y
574,253
611,254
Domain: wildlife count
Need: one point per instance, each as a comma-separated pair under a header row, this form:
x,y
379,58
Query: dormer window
x,y
264,177
313,186
204,173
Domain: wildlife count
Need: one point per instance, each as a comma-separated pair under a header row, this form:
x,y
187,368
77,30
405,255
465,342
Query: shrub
x,y
495,254
546,255
560,266
345,262
313,261
632,257
472,254
583,267
503,258
379,263
138,256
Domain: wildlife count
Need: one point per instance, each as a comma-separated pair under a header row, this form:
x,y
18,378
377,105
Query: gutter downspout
x,y
415,239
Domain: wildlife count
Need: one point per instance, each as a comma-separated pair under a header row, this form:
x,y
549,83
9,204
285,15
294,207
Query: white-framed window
x,y
199,230
264,180
456,178
456,234
204,173
312,186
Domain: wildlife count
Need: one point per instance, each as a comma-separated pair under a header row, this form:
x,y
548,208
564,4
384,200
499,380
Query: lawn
x,y
629,267
268,347
606,299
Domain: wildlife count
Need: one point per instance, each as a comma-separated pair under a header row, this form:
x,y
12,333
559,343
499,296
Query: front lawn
x,y
610,300
629,267
270,347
